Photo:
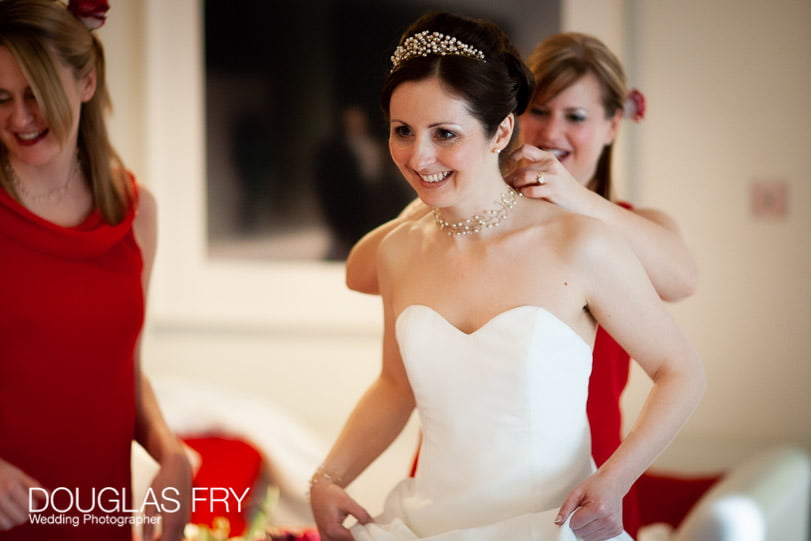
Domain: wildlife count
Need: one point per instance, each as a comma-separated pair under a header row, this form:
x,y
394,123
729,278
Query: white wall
x,y
123,42
727,87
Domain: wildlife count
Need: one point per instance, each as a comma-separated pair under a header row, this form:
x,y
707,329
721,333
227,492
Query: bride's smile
x,y
442,150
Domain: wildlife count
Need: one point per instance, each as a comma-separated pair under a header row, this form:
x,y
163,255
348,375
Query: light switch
x,y
769,198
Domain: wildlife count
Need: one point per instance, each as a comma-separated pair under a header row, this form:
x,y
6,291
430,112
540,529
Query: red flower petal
x,y
635,105
92,13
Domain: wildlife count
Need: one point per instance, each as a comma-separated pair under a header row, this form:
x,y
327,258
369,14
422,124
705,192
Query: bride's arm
x,y
622,299
375,422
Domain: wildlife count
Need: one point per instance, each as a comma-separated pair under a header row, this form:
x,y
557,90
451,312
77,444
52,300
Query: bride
x,y
491,303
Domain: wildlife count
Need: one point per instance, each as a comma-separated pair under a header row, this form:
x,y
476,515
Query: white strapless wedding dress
x,y
505,433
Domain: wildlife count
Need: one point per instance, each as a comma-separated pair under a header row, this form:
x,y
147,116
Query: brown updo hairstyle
x,y
562,59
42,34
493,88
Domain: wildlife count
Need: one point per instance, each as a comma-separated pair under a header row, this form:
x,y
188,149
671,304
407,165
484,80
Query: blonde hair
x,y
41,34
559,61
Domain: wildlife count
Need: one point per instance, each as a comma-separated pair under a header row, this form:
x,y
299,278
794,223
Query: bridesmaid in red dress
x,y
569,128
77,241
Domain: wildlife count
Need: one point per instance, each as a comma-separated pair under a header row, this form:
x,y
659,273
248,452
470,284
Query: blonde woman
x,y
77,238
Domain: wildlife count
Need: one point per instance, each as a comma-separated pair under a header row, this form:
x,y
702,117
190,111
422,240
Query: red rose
x,y
92,13
293,534
635,105
310,535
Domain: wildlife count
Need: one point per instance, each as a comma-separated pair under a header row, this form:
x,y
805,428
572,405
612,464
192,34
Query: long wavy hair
x,y
40,34
559,61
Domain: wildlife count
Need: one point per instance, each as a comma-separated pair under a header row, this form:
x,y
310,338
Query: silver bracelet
x,y
321,474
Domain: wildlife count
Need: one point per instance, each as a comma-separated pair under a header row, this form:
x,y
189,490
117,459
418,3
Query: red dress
x,y
71,311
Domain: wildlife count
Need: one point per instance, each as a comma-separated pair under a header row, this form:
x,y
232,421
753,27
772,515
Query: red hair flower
x,y
635,105
92,13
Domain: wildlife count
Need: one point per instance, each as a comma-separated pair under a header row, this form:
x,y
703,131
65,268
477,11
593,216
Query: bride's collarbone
x,y
512,264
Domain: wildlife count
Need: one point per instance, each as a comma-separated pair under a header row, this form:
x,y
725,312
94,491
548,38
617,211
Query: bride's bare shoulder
x,y
400,243
575,235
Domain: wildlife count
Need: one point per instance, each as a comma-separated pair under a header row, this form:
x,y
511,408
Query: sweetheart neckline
x,y
494,318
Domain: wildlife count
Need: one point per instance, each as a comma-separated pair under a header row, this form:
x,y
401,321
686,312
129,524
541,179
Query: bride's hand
x,y
597,508
538,174
331,505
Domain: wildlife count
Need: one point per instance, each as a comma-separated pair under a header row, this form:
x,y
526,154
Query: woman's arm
x,y
151,430
655,237
375,422
623,301
658,243
361,264
15,487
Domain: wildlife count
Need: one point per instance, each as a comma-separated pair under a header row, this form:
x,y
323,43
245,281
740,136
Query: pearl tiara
x,y
427,43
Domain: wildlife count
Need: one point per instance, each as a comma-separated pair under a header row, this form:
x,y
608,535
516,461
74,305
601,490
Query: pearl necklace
x,y
54,194
487,219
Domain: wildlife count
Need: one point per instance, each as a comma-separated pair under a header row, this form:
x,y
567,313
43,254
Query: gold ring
x,y
540,179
